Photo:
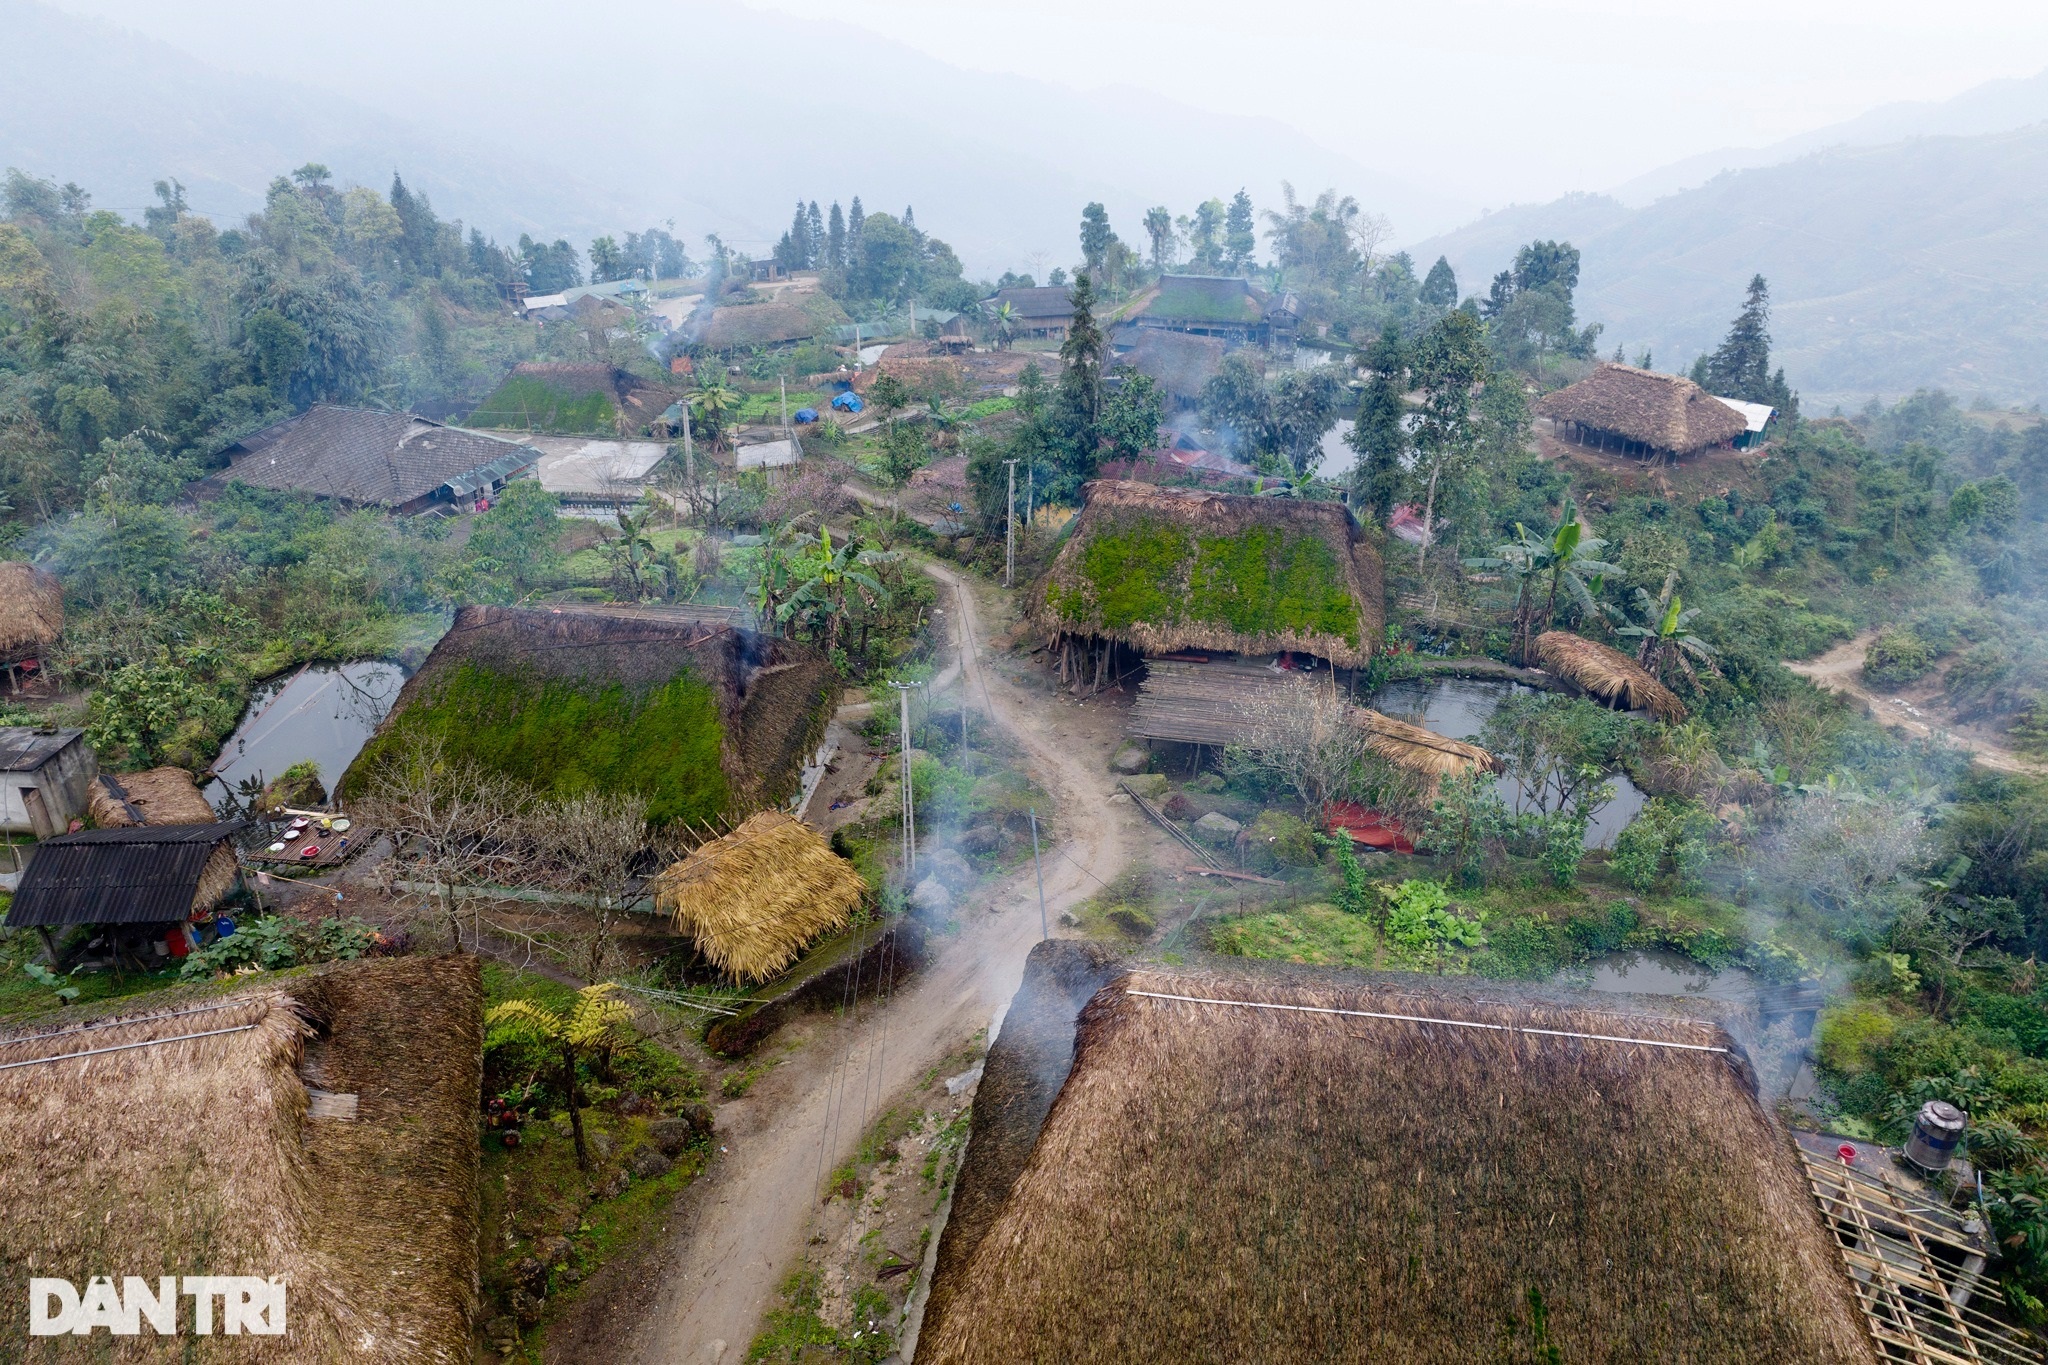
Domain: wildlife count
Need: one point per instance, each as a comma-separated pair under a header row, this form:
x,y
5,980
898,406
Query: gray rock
x,y
672,1136
981,839
1130,759
1151,786
554,1250
950,868
1217,826
931,897
600,1143
649,1164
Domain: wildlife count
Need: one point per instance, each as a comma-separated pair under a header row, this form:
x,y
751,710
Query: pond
x,y
1659,971
1458,707
323,712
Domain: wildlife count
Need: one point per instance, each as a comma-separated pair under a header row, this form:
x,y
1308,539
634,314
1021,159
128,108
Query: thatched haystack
x,y
198,1155
755,898
31,611
1164,569
157,796
700,716
1663,414
1421,751
1608,674
1217,1182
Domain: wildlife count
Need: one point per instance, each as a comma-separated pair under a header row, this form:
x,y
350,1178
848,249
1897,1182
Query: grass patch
x,y
1317,934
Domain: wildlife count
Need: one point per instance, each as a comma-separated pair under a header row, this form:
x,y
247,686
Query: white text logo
x,y
247,1304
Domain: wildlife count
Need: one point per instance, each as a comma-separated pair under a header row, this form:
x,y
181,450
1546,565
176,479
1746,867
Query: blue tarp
x,y
806,414
848,402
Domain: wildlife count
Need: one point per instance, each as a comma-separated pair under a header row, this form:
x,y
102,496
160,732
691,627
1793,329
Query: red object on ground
x,y
1368,827
310,851
176,943
1847,1153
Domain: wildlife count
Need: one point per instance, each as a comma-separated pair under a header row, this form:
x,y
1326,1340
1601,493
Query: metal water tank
x,y
1936,1131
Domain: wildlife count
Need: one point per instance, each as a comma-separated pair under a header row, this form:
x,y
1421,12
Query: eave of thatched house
x,y
157,796
192,1155
755,898
1421,751
1165,569
1643,412
1607,674
1223,1182
31,614
772,697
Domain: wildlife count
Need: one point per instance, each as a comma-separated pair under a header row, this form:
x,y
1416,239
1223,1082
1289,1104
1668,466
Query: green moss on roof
x,y
1262,581
527,402
1205,302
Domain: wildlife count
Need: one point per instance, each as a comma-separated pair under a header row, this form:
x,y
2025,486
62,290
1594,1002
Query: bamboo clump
x,y
753,899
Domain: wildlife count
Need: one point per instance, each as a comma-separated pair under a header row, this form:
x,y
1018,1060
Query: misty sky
x,y
1503,99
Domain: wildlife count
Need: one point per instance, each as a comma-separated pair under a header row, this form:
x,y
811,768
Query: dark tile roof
x,y
359,455
1047,301
24,749
139,875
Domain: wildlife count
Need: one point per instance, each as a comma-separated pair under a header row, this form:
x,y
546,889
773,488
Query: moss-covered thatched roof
x,y
700,716
1663,411
198,1155
1217,1182
754,898
772,322
1163,569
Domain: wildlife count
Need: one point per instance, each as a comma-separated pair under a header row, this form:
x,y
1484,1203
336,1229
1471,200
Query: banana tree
x,y
714,405
629,545
834,587
1542,566
1669,646
1005,319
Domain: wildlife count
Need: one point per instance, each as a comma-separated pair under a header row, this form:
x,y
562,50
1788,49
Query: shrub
x,y
1279,840
1419,918
1897,656
276,942
1852,1034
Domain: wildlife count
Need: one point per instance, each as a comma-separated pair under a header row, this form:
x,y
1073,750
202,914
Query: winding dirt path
x,y
743,1223
1841,670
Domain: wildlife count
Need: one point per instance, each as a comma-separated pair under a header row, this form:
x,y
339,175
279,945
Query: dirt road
x,y
1841,670
745,1221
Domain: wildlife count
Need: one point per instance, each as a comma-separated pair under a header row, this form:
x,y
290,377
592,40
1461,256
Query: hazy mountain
x,y
712,115
1994,107
1891,268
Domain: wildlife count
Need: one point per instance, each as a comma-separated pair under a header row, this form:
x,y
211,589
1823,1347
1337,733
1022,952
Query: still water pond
x,y
1659,971
1458,707
324,712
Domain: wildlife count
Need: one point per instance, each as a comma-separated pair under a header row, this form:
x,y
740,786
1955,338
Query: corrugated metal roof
x,y
140,875
23,749
1758,415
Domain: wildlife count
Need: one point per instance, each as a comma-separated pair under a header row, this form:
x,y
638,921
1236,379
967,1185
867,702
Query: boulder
x,y
1217,827
648,1163
930,897
554,1250
981,839
1130,759
949,867
1151,786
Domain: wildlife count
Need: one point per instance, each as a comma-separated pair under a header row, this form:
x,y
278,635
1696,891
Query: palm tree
x,y
1560,560
589,1029
1669,644
714,404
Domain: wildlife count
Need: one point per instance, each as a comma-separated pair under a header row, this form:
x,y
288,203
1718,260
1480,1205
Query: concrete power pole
x,y
1010,529
1044,929
909,803
689,452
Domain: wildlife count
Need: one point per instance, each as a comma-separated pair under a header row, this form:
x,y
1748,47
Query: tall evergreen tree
x,y
1741,366
856,224
1240,234
835,240
1380,436
816,239
1159,227
1448,362
418,228
1440,286
1096,236
1079,416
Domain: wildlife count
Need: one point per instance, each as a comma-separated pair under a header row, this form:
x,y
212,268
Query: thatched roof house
x,y
31,614
1180,363
700,716
1606,673
1164,569
793,318
197,1140
755,898
369,458
1375,1171
1422,751
137,875
159,796
1642,412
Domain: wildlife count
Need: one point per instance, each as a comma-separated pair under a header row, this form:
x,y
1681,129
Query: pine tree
x,y
1240,238
1380,435
815,241
856,220
1741,366
1079,416
1440,286
835,240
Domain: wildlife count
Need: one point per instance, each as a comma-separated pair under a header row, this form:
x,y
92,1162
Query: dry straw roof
x,y
1166,569
159,796
196,1155
755,898
1666,412
1606,673
1420,750
31,610
1253,1184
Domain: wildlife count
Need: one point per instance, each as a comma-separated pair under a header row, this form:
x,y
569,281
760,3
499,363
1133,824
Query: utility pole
x,y
909,802
689,452
1010,529
783,385
1044,929
1030,490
